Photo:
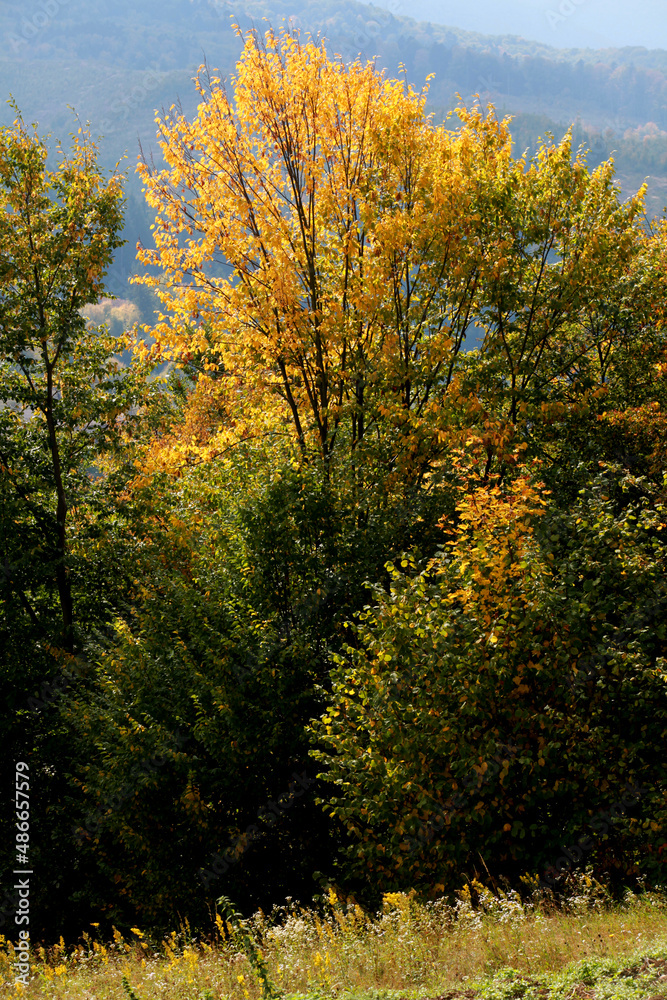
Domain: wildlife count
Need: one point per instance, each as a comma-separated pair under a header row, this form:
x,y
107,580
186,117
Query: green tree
x,y
497,700
247,567
60,393
68,412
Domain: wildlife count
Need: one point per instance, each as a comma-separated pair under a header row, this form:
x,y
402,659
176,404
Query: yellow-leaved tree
x,y
341,214
325,251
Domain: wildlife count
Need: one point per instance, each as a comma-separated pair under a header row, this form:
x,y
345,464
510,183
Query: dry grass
x,y
416,949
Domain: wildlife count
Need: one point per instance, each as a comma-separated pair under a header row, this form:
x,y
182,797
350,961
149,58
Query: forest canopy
x,y
364,544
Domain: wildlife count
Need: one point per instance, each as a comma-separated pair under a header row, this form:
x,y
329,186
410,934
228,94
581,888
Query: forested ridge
x,y
349,569
116,63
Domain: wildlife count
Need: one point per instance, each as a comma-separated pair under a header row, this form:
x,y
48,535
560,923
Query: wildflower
x,y
397,901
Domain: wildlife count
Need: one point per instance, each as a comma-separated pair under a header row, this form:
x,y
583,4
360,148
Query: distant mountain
x,y
116,62
561,23
111,60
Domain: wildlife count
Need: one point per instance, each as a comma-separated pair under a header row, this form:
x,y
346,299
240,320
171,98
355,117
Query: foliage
x,y
58,234
68,408
365,245
147,54
255,958
128,989
211,673
320,313
245,569
501,697
396,360
118,316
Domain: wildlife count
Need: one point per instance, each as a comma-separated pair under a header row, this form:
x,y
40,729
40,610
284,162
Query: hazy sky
x,y
562,23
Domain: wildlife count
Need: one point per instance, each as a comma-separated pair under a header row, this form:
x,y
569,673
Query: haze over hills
x,y
597,24
116,62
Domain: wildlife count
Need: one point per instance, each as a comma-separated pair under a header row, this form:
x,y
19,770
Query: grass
x,y
497,949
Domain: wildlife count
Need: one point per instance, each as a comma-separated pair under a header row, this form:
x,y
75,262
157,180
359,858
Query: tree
x,y
499,700
60,393
69,409
319,188
327,251
214,671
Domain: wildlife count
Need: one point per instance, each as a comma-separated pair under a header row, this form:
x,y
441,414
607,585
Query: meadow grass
x,y
487,946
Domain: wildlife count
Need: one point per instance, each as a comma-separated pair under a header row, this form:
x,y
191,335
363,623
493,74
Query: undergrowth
x,y
490,946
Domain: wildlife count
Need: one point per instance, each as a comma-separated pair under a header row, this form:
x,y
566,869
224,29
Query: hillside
x,y
116,63
594,23
343,608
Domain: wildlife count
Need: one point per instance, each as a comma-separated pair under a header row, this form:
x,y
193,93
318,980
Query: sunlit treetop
x,y
325,250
